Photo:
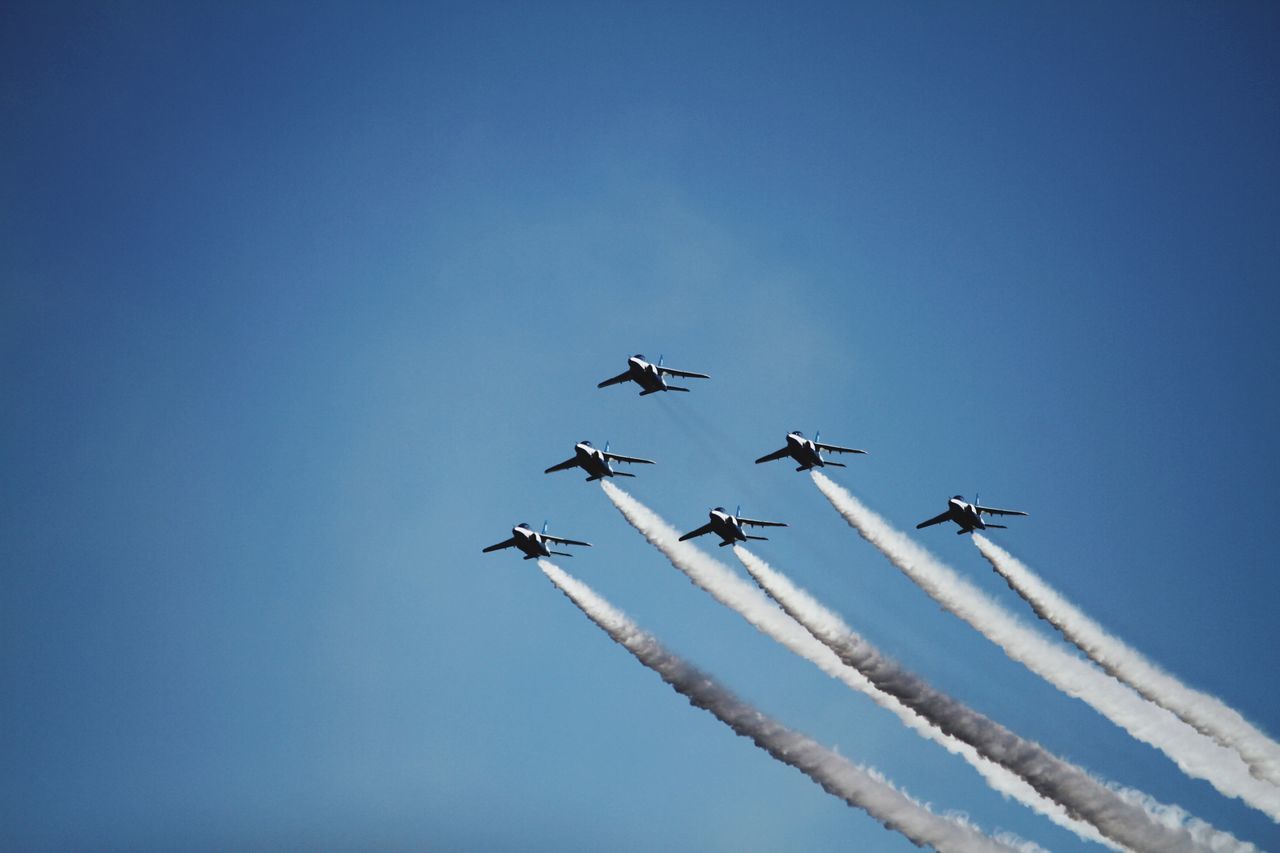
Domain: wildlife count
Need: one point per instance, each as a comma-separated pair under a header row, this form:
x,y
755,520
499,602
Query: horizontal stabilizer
x,y
1001,526
837,464
561,553
676,388
650,391
763,538
625,474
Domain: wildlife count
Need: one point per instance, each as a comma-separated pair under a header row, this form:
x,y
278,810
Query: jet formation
x,y
806,453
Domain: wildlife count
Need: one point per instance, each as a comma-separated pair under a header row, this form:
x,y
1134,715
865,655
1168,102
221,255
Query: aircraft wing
x,y
769,457
563,466
937,519
993,511
614,380
559,541
706,528
835,448
507,544
755,523
620,458
687,374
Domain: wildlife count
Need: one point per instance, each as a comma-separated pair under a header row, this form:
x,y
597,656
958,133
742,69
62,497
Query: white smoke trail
x,y
1130,818
733,591
1206,714
1194,754
860,787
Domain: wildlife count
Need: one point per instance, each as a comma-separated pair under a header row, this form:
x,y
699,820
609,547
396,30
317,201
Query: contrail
x,y
733,591
1194,754
1206,714
860,787
1129,818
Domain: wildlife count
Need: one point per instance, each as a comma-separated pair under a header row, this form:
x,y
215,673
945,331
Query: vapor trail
x,y
733,591
1127,817
1206,714
1194,754
858,786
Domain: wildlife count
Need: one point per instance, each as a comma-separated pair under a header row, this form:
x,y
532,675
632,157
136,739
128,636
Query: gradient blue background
x,y
298,301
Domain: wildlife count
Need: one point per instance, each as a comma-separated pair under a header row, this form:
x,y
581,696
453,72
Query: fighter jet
x,y
807,452
649,376
729,527
534,544
968,515
596,462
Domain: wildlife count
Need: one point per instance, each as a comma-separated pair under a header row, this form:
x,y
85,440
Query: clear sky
x,y
298,300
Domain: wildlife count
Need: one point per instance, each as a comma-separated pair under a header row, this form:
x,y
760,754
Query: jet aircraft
x,y
534,544
968,515
596,462
807,452
650,376
729,527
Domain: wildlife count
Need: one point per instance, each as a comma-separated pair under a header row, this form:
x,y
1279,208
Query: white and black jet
x,y
596,462
533,543
650,376
808,452
968,515
729,527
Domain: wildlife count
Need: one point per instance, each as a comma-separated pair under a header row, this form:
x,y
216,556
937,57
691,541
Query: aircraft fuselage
x,y
804,452
966,515
726,527
592,460
645,375
530,543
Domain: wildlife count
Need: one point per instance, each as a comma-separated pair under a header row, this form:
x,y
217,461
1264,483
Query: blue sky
x,y
299,301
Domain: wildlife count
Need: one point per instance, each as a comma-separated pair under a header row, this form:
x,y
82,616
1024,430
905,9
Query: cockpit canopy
x,y
525,525
957,497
